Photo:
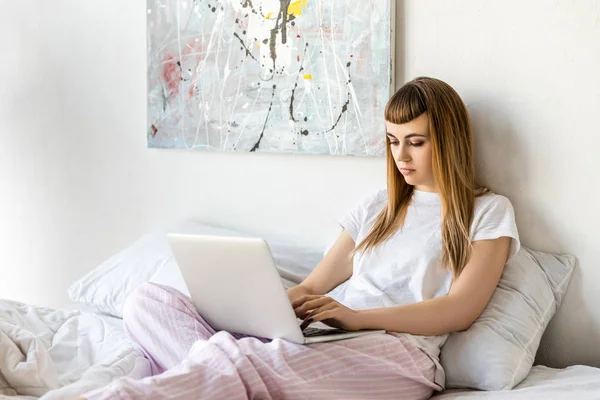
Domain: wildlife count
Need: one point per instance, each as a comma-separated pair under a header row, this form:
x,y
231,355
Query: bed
x,y
61,354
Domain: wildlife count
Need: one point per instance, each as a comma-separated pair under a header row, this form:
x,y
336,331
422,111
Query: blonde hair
x,y
452,164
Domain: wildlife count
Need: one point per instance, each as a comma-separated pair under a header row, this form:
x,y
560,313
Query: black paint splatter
x,y
283,12
344,107
248,53
296,85
280,25
248,3
257,144
282,16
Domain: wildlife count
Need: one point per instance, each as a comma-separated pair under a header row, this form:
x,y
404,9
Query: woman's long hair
x,y
453,169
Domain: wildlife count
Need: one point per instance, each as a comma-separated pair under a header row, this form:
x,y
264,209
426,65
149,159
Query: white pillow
x,y
149,258
498,349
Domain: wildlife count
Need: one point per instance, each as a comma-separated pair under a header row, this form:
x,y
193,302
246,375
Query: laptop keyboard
x,y
310,331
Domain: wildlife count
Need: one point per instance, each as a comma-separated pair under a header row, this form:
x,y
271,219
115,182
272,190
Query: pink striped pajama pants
x,y
190,360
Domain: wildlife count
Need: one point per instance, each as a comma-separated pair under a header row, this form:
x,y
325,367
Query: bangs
x,y
405,105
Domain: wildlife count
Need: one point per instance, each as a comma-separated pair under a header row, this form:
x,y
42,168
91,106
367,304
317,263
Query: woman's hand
x,y
295,292
313,308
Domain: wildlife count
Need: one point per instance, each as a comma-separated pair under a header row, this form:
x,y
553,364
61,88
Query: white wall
x,y
77,182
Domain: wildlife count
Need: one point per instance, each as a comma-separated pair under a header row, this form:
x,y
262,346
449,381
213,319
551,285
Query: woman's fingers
x,y
301,300
338,317
324,314
308,319
329,306
302,310
300,307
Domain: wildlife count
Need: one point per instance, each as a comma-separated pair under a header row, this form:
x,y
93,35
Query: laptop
x,y
235,286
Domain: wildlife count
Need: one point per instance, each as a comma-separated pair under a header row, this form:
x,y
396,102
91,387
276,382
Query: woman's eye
x,y
394,143
416,144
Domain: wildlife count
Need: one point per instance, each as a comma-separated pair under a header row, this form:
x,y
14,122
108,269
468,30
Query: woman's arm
x,y
334,268
456,311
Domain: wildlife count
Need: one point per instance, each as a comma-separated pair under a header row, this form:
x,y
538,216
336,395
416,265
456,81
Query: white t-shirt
x,y
407,268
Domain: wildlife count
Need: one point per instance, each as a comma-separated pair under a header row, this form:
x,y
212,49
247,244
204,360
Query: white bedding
x,y
576,382
58,354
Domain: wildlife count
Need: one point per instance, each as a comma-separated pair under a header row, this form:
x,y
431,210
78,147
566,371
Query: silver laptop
x,y
235,286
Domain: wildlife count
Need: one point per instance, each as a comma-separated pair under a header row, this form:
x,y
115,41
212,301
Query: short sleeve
x,y
495,218
354,220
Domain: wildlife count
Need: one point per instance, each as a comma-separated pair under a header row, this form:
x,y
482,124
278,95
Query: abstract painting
x,y
287,76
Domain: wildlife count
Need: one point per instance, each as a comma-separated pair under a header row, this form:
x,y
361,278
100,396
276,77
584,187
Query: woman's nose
x,y
403,154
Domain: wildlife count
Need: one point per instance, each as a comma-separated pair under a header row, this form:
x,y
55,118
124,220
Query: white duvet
x,y
61,354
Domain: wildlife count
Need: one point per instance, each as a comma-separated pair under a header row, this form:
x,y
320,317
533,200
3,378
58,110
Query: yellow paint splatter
x,y
268,16
307,76
296,7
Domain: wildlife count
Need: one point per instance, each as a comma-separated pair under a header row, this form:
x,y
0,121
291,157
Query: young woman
x,y
420,260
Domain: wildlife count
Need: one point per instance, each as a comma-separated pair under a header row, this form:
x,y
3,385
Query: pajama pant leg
x,y
165,324
232,366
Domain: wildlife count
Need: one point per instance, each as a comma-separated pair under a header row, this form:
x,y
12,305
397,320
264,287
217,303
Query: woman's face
x,y
411,148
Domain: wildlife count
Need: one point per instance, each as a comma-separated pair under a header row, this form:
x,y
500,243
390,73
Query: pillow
x,y
498,349
149,258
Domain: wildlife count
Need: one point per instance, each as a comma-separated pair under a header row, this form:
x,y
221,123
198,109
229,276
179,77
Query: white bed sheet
x,y
576,382
61,354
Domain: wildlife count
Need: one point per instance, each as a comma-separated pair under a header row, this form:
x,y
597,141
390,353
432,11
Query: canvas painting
x,y
286,76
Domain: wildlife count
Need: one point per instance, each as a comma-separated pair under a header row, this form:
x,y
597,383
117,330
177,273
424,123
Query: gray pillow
x,y
498,349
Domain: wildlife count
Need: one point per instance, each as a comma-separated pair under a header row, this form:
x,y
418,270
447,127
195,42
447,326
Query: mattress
x,y
576,382
57,354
